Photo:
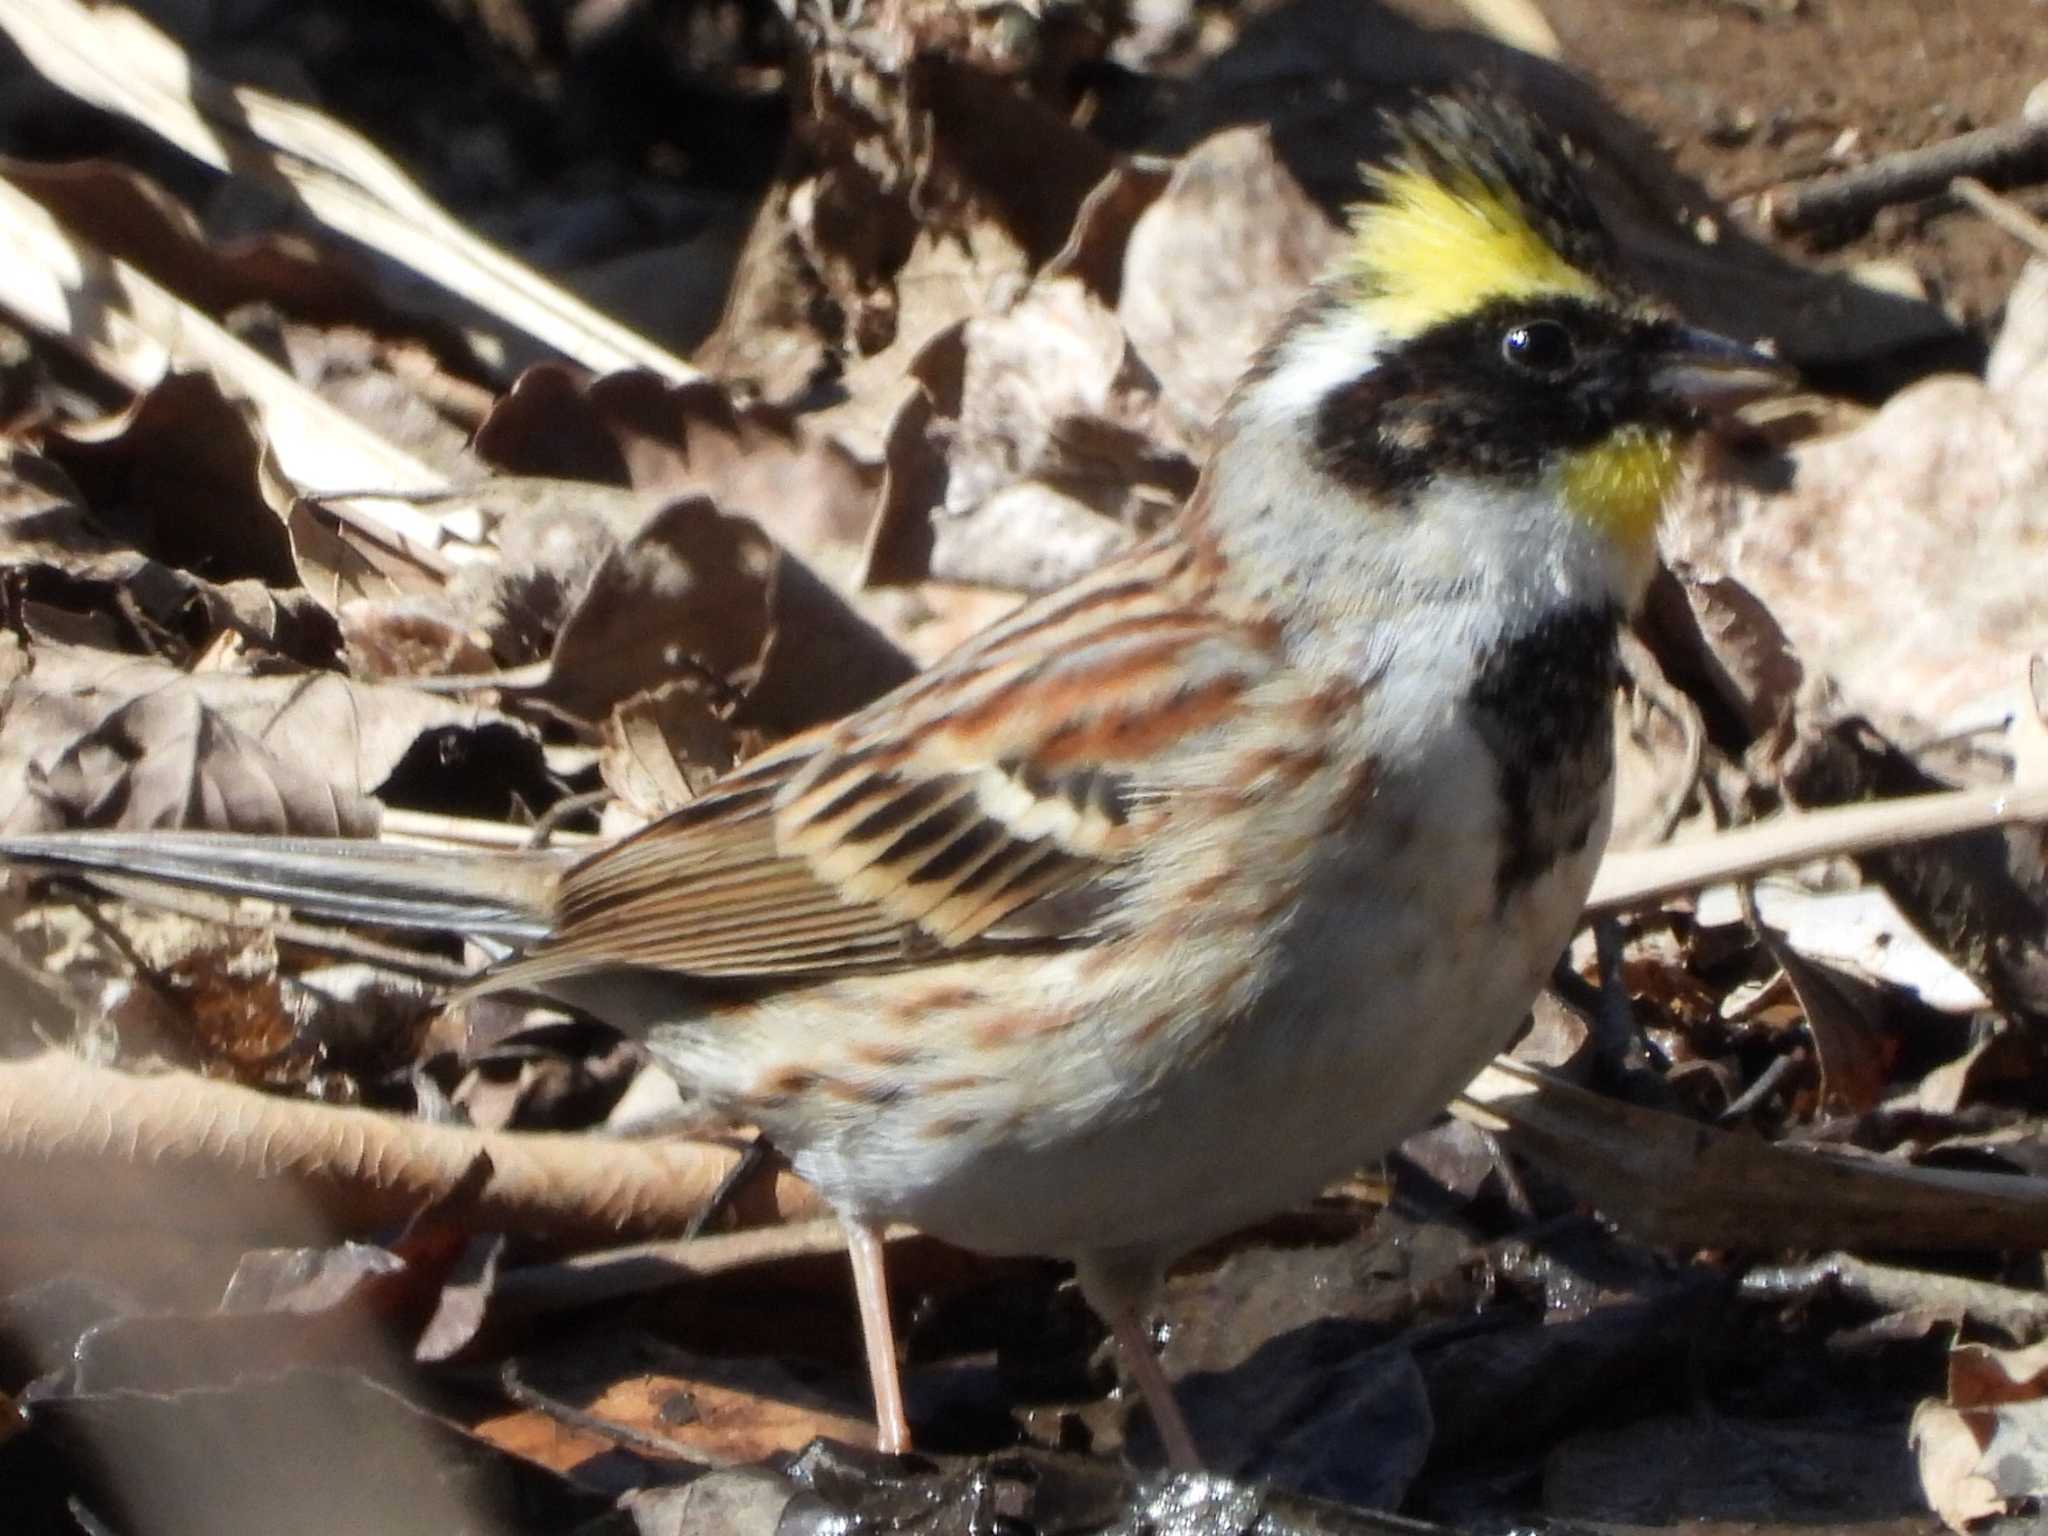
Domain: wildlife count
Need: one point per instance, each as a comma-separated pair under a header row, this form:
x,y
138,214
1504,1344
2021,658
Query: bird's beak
x,y
1713,374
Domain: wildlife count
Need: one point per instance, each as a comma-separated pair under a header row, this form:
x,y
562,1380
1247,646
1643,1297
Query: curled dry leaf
x,y
1040,447
1982,896
163,758
340,561
1861,932
661,747
1728,639
81,585
686,596
921,190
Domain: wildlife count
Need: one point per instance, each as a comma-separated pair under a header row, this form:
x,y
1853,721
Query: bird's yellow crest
x,y
1430,248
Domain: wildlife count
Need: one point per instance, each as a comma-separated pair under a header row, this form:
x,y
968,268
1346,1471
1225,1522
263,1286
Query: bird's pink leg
x,y
871,1285
1136,1346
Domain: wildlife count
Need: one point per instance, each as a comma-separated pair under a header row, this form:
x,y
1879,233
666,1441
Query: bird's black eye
x,y
1541,347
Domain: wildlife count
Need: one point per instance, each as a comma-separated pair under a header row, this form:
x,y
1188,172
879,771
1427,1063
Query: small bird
x,y
1195,885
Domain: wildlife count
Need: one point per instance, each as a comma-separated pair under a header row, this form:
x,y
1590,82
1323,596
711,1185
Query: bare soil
x,y
1743,94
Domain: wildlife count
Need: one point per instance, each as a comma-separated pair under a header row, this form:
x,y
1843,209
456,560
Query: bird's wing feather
x,y
992,799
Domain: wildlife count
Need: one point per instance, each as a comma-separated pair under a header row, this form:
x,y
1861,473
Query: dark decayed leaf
x,y
87,586
176,476
698,594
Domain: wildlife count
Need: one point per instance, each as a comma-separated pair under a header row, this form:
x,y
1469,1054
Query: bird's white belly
x,y
1404,981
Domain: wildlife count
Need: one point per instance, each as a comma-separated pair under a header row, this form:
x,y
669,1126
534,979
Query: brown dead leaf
x,y
1985,1448
1844,1015
703,595
2004,1058
1044,442
163,758
1980,897
340,561
1728,638
229,991
111,740
662,747
1214,264
1901,559
79,585
686,596
669,440
921,189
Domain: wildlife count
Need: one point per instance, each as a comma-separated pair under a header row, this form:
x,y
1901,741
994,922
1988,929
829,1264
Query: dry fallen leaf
x,y
1984,1449
176,476
110,740
1901,558
1041,447
699,594
1214,263
667,441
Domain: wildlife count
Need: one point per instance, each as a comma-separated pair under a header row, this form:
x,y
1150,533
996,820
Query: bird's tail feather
x,y
486,894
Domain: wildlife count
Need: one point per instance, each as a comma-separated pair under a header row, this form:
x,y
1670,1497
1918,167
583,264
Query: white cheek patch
x,y
1323,358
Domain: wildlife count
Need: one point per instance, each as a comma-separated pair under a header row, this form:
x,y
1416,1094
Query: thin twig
x,y
2004,212
640,1269
84,900
1766,1084
228,912
1634,877
2010,152
432,830
2022,1316
549,827
537,1401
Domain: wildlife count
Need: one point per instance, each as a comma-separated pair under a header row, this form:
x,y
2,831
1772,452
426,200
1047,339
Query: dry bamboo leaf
x,y
137,221
136,331
113,58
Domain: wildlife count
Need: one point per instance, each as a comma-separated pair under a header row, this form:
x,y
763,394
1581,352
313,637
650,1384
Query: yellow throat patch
x,y
1429,250
1620,485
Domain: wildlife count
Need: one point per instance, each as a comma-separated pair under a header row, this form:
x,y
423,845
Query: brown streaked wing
x,y
1011,781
